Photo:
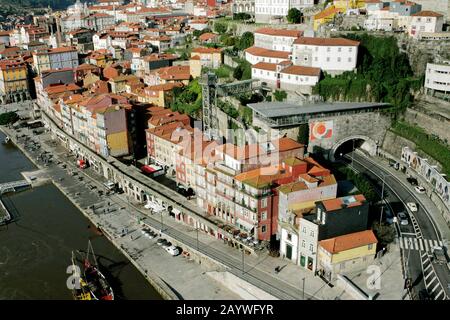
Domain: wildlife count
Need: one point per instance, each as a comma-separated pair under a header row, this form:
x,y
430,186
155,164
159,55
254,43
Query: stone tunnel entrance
x,y
353,143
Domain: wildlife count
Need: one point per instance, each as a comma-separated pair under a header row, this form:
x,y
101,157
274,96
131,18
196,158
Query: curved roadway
x,y
418,237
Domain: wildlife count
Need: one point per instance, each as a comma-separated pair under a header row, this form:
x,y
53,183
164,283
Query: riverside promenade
x,y
173,277
184,277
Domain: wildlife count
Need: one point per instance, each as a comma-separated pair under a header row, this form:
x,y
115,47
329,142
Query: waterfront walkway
x,y
188,278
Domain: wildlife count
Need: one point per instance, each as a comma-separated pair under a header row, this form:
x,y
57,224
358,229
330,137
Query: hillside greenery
x,y
383,74
188,99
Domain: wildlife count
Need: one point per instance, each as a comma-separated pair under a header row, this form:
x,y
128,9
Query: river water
x,y
35,250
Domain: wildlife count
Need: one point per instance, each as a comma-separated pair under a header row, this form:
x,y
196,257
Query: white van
x,y
109,185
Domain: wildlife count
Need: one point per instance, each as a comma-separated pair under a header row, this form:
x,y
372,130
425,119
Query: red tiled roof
x,y
340,203
327,12
265,66
279,32
261,52
426,13
299,70
206,50
207,36
326,41
349,241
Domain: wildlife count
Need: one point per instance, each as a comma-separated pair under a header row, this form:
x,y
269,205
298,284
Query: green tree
x,y
198,33
294,15
8,118
303,133
245,41
220,28
237,73
280,95
241,16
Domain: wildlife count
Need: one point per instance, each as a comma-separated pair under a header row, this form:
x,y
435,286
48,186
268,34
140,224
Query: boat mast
x,y
90,249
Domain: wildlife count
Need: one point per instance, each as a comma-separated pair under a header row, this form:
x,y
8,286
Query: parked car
x,y
173,250
412,181
161,241
439,255
166,245
412,206
403,218
419,189
110,185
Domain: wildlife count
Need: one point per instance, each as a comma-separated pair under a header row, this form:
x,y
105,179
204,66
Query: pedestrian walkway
x,y
412,243
431,280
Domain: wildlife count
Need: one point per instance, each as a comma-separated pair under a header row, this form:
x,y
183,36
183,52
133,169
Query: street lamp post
x,y
243,259
353,150
382,196
196,229
303,290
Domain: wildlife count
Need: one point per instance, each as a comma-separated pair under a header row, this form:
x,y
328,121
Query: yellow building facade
x,y
351,252
13,82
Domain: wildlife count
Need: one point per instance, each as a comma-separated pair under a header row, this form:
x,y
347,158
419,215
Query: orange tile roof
x,y
261,52
206,50
327,12
54,89
349,241
174,73
426,13
164,86
326,41
55,50
340,203
300,70
265,66
244,152
279,32
167,131
261,177
207,36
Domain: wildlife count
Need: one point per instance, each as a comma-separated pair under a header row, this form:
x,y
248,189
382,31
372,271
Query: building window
x,y
339,59
304,229
311,233
303,243
264,203
328,49
342,266
370,246
263,229
339,49
349,59
311,247
264,215
350,49
328,59
289,237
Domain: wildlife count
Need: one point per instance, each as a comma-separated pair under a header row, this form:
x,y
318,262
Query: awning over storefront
x,y
246,225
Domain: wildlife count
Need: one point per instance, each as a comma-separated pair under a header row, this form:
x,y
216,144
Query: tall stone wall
x,y
394,143
360,125
431,125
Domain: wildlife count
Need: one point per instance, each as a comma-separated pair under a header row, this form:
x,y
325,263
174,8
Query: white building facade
x,y
437,78
332,55
272,10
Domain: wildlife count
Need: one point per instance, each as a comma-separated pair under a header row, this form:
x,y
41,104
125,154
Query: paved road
x,y
418,237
